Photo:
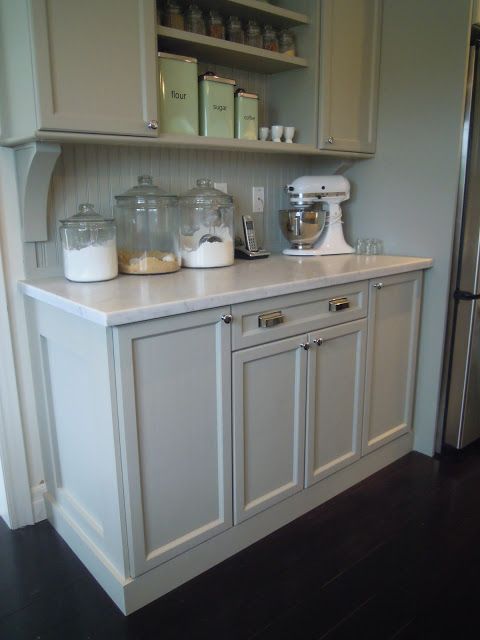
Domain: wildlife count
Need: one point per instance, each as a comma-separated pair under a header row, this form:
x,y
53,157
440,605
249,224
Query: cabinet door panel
x,y
268,424
174,378
336,375
394,309
95,65
349,69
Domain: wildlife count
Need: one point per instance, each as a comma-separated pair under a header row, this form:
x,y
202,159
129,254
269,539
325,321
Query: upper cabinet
x,y
94,66
349,74
76,70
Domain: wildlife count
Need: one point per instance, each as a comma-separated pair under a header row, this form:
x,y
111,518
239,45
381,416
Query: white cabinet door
x,y
174,386
95,65
349,74
394,310
335,387
268,424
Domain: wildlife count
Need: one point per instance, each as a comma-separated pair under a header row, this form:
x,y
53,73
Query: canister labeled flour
x,y
177,94
246,115
215,96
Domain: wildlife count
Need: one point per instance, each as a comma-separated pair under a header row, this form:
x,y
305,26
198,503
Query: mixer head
x,y
310,189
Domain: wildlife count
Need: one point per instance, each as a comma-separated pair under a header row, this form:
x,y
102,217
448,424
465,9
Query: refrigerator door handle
x,y
465,295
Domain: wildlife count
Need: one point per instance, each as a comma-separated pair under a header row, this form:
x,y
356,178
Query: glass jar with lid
x,y
194,21
286,43
253,35
206,232
215,26
147,229
270,40
235,32
89,246
173,16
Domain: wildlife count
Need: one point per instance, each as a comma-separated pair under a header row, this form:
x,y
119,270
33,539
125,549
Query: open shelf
x,y
226,53
262,12
167,140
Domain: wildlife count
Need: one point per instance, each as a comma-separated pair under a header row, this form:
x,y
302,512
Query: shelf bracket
x,y
35,163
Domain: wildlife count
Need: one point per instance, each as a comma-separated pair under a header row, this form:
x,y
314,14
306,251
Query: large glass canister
x,y
89,247
147,229
206,233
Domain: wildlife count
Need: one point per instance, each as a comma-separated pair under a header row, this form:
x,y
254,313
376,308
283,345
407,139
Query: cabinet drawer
x,y
283,316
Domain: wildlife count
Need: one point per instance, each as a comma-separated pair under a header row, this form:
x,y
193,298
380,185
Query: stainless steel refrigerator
x,y
461,382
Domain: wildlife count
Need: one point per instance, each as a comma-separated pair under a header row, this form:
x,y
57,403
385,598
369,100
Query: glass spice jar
x,y
286,43
235,32
194,21
270,40
215,26
253,35
173,15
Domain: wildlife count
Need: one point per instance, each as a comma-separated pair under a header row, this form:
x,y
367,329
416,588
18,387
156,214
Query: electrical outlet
x,y
221,186
258,199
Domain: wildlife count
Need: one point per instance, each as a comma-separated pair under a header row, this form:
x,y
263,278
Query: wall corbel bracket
x,y
35,163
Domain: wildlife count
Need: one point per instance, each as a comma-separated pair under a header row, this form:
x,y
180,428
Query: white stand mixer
x,y
328,190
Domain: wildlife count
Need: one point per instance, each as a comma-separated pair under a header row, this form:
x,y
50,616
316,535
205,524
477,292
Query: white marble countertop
x,y
134,298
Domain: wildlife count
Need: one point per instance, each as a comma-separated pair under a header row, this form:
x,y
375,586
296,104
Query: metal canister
x,y
246,115
216,105
177,94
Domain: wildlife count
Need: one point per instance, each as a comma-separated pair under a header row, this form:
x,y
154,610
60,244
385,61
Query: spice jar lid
x,y
87,217
241,93
210,76
145,192
205,193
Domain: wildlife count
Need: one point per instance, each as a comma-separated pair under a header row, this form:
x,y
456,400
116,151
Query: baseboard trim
x,y
38,502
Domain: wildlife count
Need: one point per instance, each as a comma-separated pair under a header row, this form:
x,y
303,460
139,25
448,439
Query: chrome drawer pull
x,y
270,319
338,304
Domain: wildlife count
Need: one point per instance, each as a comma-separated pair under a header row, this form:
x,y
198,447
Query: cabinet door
x,y
174,386
335,387
95,65
268,424
349,70
394,309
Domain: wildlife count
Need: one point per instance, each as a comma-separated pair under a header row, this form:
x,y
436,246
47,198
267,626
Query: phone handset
x,y
249,232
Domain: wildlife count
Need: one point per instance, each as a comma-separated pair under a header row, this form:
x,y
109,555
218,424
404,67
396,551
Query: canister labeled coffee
x,y
246,115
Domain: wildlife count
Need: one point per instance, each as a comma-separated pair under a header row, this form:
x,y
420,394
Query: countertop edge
x,y
34,290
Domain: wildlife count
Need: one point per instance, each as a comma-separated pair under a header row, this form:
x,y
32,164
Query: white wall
x,y
407,193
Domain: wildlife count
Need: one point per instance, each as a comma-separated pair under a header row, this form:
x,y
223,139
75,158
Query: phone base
x,y
245,254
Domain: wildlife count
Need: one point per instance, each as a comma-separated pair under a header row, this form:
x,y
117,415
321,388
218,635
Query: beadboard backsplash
x,y
96,173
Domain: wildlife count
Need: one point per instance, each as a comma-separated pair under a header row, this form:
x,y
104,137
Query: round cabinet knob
x,y
330,140
227,318
152,124
318,342
378,285
305,345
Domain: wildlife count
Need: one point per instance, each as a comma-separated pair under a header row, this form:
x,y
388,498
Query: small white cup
x,y
289,133
277,133
264,132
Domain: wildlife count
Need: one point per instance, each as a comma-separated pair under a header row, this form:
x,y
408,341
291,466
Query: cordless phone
x,y
250,250
249,231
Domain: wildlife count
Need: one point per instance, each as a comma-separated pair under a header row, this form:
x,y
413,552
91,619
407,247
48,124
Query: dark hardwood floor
x,y
397,556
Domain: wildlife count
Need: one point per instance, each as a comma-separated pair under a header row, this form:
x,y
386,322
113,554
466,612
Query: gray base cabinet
x,y
144,478
173,380
336,376
268,423
394,312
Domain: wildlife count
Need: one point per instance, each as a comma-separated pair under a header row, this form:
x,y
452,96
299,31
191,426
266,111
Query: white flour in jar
x,y
91,264
207,254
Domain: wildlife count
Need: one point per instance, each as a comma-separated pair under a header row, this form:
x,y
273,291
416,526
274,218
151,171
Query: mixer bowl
x,y
302,225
